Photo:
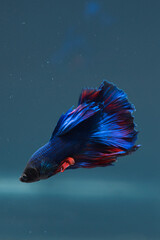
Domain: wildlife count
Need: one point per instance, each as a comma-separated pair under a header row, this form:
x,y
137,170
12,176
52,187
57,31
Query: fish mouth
x,y
23,178
29,175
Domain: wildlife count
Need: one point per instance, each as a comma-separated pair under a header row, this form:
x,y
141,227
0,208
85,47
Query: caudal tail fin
x,y
115,134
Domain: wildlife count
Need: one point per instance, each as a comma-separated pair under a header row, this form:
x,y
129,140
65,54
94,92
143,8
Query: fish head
x,y
37,169
30,174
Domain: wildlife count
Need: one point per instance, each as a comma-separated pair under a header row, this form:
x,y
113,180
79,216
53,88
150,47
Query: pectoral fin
x,y
67,162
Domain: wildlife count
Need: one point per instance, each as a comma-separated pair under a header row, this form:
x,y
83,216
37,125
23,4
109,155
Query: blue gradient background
x,y
49,51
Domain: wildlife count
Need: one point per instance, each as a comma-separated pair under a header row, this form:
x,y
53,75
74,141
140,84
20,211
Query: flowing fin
x,y
93,157
95,163
115,134
98,155
115,100
108,94
74,117
116,130
89,95
116,127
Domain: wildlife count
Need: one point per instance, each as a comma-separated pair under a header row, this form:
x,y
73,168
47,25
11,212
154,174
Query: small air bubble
x,y
11,97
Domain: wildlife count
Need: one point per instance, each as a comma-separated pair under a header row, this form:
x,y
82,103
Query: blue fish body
x,y
94,134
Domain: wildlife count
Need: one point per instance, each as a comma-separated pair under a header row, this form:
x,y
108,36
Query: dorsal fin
x,y
74,117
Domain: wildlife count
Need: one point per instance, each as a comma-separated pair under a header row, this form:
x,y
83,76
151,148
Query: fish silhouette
x,y
94,134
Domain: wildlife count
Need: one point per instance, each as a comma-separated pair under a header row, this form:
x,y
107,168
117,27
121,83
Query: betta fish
x,y
94,134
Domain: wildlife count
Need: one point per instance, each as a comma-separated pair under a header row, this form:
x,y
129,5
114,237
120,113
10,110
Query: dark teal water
x,y
49,51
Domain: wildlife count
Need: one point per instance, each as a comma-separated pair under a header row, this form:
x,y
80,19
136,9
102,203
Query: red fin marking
x,y
89,95
67,162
